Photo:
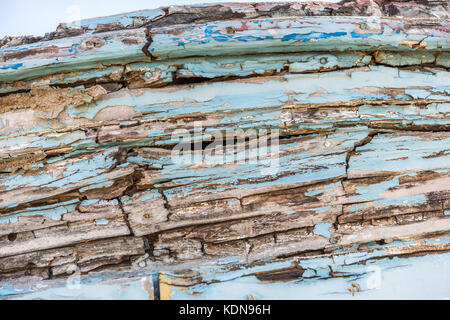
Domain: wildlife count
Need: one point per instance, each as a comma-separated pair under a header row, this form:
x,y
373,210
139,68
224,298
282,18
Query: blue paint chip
x,y
8,290
312,35
101,222
365,35
322,229
249,38
12,66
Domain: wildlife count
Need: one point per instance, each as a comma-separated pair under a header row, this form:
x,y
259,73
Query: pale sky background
x,y
31,17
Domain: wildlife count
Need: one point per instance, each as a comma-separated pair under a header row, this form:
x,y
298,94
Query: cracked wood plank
x,y
355,179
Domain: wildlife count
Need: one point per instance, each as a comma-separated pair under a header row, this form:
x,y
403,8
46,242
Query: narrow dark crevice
x,y
147,45
125,216
361,143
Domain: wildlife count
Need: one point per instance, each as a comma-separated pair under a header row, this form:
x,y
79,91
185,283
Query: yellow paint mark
x,y
164,288
167,289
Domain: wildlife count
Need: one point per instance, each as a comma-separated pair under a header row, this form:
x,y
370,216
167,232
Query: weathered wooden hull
x,y
351,199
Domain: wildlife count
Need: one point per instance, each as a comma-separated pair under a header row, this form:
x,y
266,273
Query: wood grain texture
x,y
354,96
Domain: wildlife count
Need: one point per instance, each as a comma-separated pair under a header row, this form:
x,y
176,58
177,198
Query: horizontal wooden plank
x,y
319,278
80,52
386,97
297,34
222,38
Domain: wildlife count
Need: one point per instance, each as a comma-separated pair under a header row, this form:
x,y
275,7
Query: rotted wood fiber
x,y
358,91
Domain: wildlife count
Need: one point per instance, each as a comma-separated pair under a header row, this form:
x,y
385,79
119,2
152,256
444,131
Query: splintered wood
x,y
332,179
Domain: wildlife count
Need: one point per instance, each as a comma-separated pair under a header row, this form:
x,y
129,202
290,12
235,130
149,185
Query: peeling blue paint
x,y
323,229
101,222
